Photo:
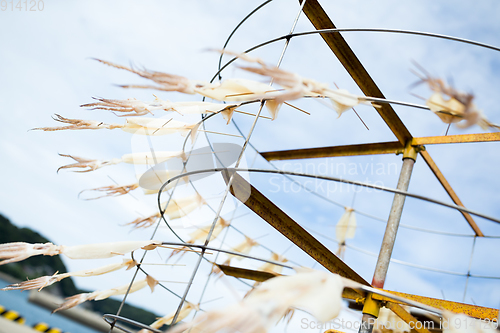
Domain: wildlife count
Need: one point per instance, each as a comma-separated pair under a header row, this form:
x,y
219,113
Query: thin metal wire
x,y
401,262
133,279
142,270
360,212
379,100
238,26
197,265
396,31
162,217
468,270
340,180
116,318
234,212
204,247
288,37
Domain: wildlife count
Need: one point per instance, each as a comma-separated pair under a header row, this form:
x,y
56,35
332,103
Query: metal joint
x,y
371,306
410,151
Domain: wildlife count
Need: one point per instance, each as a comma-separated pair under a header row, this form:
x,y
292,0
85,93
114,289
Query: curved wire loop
x,y
229,252
337,30
288,37
113,319
340,180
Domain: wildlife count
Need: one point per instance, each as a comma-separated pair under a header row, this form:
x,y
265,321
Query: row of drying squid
x,y
316,292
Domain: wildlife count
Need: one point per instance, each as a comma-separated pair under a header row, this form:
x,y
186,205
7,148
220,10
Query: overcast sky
x,y
46,67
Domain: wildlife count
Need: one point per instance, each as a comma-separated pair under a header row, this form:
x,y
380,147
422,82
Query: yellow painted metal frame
x,y
475,311
411,146
406,144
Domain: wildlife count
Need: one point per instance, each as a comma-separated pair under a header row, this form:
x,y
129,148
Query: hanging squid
x,y
298,87
134,158
141,126
18,251
112,190
186,309
318,293
45,281
244,248
73,301
346,228
453,106
201,234
176,208
272,268
230,90
389,322
133,107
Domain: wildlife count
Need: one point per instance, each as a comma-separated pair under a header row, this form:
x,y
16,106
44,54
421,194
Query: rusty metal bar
x,y
341,49
475,311
261,276
278,219
378,148
462,138
449,190
250,274
406,317
393,147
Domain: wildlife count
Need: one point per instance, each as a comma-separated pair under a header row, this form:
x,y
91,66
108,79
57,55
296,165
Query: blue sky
x,y
46,68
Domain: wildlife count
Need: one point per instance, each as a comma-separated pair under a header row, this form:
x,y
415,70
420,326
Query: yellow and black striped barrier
x,y
43,327
16,317
11,315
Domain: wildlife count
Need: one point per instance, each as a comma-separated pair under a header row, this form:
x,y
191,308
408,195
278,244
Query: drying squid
x,y
176,208
201,234
134,107
18,251
75,124
272,268
87,164
186,309
318,293
388,321
346,228
453,106
231,90
45,281
244,248
297,87
166,82
141,126
134,158
131,106
151,183
73,301
113,190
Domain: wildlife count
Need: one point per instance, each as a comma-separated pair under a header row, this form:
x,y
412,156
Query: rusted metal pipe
x,y
370,310
391,230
